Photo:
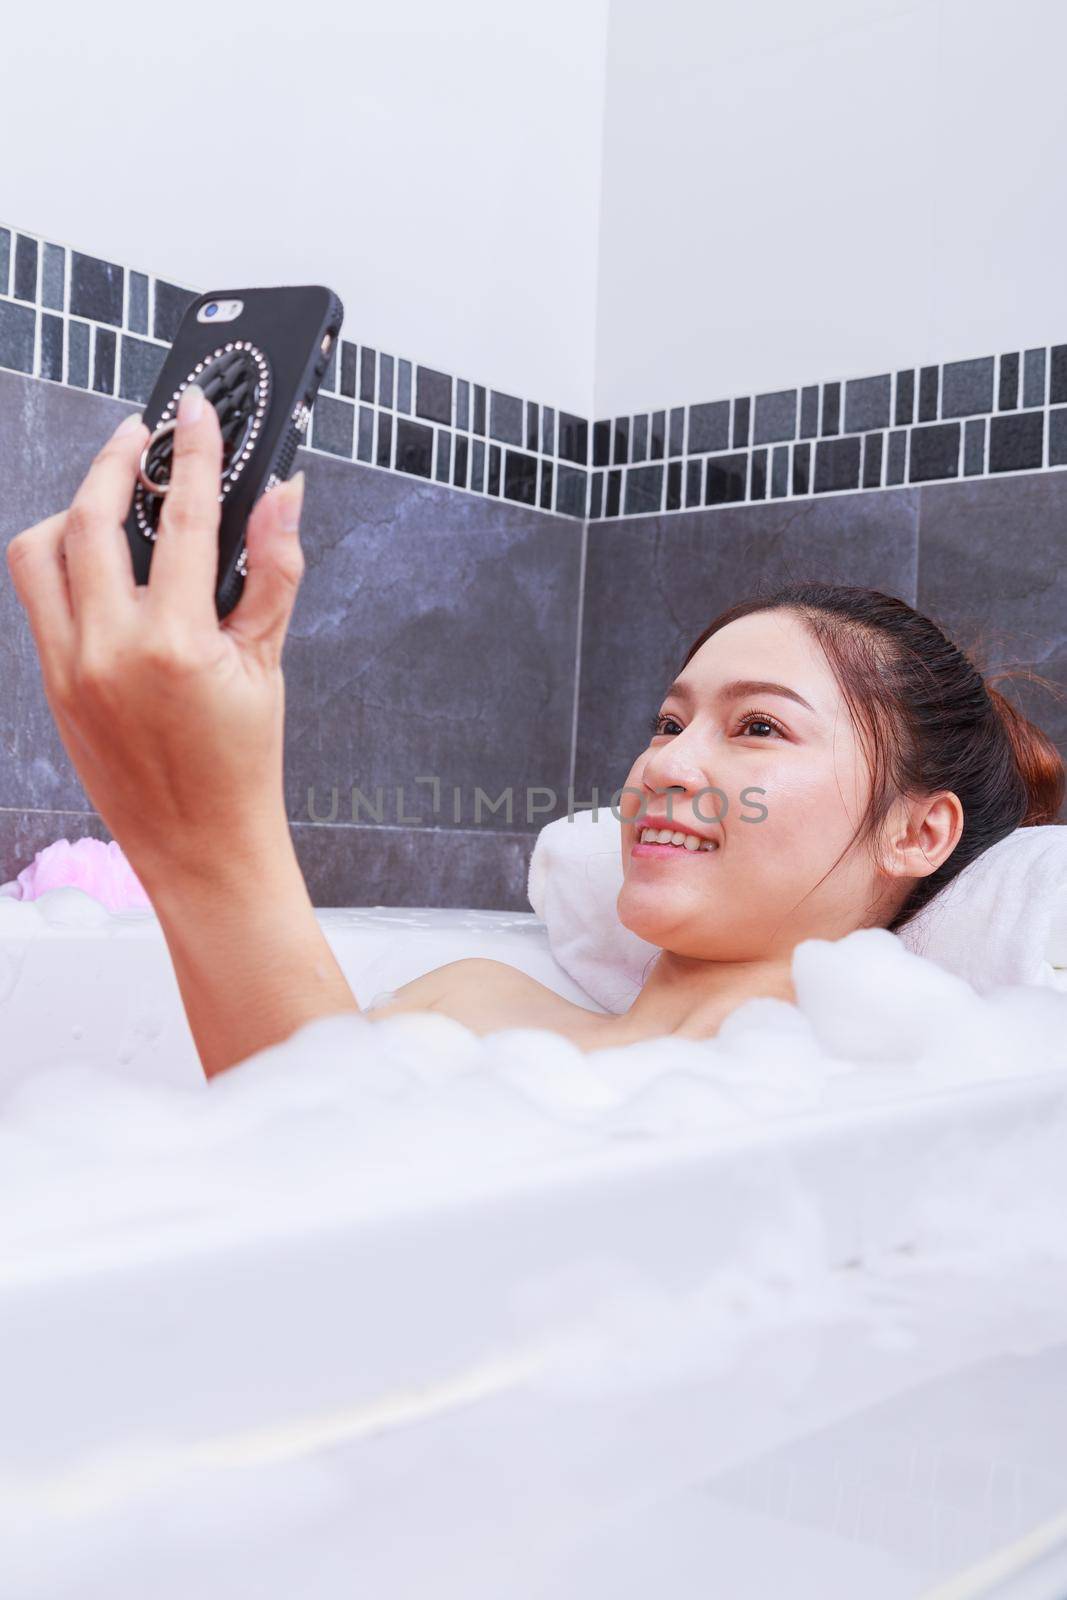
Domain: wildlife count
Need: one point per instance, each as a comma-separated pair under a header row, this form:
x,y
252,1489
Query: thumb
x,y
275,567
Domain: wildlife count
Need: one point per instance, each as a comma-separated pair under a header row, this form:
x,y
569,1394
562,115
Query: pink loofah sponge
x,y
99,869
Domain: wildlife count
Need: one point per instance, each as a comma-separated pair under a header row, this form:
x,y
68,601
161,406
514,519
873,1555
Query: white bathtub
x,y
396,1311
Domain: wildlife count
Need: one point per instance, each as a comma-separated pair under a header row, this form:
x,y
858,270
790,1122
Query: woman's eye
x,y
665,723
752,719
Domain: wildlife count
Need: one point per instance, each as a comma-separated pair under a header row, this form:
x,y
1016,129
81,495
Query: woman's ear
x,y
921,834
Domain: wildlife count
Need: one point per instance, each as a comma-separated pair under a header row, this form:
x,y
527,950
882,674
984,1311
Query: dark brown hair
x,y
928,721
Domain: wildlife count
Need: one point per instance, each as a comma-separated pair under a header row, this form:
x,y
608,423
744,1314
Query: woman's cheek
x,y
801,818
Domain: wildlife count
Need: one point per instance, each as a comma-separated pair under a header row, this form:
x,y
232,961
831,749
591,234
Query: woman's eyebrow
x,y
743,686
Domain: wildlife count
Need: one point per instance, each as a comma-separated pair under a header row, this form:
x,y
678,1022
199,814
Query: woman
x,y
836,758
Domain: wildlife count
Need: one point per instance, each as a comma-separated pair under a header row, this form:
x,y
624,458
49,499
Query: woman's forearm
x,y
175,726
251,960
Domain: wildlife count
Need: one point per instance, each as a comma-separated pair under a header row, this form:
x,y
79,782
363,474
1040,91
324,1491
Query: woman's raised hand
x,y
173,720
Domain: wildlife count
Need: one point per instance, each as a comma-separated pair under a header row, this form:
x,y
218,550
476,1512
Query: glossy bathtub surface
x,y
120,1002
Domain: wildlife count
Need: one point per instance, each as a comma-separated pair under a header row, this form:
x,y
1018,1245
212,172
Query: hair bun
x,y
1038,759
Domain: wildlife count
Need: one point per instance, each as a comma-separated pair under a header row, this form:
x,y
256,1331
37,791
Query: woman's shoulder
x,y
484,994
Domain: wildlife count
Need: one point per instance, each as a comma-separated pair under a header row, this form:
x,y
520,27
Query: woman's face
x,y
786,785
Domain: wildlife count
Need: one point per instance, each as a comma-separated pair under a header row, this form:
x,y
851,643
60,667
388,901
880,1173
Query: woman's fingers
x,y
275,567
185,561
73,571
99,566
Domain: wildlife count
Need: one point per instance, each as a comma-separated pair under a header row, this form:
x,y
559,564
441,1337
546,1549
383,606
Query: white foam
x,y
419,1104
371,1211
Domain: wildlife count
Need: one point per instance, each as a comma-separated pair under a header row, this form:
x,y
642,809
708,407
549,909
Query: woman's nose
x,y
672,767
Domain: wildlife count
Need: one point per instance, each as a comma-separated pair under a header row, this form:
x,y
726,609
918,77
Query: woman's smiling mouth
x,y
653,842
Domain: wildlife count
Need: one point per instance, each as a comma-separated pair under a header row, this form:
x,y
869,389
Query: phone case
x,y
261,371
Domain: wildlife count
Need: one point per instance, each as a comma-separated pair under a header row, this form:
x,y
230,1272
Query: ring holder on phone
x,y
236,378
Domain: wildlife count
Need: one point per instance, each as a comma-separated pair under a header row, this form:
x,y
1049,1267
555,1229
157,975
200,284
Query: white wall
x,y
692,200
804,189
438,164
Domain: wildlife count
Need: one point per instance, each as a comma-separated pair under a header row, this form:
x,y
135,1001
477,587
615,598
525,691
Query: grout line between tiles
x,y
578,654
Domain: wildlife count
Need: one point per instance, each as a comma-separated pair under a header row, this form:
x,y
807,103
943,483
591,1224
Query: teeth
x,y
687,841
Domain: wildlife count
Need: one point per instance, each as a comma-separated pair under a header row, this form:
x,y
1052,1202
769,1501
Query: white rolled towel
x,y
1003,920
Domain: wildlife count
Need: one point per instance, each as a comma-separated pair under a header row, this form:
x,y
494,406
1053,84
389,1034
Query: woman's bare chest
x,y
522,1002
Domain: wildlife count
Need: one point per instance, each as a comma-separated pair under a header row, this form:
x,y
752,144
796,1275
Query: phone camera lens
x,y
210,311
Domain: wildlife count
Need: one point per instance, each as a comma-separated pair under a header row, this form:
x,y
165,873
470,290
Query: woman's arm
x,y
250,957
174,723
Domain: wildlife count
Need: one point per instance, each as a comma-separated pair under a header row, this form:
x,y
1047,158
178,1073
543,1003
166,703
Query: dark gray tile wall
x,y
987,559
434,636
473,869
993,572
652,584
435,631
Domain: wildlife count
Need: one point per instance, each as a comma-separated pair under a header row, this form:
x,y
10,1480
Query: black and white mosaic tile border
x,y
975,418
73,318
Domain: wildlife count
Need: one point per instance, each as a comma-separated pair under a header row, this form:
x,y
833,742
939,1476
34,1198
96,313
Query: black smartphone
x,y
259,355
